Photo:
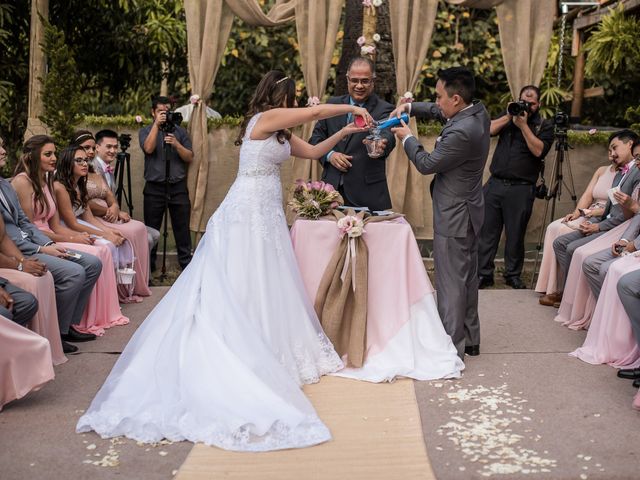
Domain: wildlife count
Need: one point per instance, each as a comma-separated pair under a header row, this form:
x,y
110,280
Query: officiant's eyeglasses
x,y
364,81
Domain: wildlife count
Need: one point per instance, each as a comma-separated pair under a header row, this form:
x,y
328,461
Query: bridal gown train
x,y
221,358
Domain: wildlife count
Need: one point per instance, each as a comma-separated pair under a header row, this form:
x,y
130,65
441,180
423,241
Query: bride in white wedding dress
x,y
221,358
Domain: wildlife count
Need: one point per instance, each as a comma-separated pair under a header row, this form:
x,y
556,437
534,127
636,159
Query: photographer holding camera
x,y
524,140
165,174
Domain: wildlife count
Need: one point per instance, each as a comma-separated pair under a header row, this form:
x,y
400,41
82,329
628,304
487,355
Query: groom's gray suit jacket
x,y
458,160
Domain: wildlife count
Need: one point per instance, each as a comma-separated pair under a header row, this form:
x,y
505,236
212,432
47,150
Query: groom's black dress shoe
x,y
472,350
68,348
485,282
75,336
629,373
515,283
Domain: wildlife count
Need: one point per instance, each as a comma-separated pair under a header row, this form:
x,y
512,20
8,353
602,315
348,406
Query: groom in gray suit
x,y
457,161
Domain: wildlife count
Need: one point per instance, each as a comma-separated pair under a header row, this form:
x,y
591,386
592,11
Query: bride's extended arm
x,y
281,118
302,149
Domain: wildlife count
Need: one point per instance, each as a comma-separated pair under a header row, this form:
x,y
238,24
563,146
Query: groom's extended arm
x,y
451,151
427,111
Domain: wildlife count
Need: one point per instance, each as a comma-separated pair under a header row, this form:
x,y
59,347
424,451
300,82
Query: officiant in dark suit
x,y
360,179
457,160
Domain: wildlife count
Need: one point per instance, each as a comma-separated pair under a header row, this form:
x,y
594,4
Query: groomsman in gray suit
x,y
457,161
626,179
73,278
629,292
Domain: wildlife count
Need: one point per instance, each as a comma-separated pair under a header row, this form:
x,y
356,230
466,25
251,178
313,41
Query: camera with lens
x,y
561,120
518,108
125,141
173,119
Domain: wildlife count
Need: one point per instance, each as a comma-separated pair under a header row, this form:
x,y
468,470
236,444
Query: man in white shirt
x,y
104,164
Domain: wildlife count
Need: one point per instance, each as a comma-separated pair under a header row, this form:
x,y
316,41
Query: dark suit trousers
x,y
180,212
563,247
508,206
456,264
25,305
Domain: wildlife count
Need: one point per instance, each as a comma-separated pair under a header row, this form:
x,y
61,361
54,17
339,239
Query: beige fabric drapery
x,y
526,27
251,12
317,26
208,27
412,23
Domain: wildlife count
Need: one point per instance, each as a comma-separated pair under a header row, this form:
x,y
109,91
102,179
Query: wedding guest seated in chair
x,y
105,208
36,198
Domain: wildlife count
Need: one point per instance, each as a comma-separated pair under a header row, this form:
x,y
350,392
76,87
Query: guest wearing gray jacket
x,y
457,160
74,278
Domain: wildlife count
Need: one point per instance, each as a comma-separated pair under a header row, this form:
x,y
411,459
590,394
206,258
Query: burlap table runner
x,y
341,301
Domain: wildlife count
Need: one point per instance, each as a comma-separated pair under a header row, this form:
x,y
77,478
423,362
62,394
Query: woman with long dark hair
x,y
222,357
106,211
33,183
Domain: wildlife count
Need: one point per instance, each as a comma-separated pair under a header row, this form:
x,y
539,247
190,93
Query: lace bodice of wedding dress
x,y
221,358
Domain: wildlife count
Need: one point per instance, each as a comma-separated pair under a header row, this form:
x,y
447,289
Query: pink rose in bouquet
x,y
313,199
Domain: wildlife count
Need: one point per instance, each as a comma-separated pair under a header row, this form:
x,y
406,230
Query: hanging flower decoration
x,y
367,3
376,37
361,40
593,131
407,97
194,99
313,101
138,119
377,3
367,50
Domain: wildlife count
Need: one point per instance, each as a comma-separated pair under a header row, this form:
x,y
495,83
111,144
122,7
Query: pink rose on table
x,y
317,185
328,188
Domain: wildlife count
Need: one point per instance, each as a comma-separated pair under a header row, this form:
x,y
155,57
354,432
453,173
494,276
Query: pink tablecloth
x,y
401,304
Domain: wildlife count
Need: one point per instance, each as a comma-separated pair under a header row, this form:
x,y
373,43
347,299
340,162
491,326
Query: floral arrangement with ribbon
x,y
407,97
353,227
314,199
341,301
194,99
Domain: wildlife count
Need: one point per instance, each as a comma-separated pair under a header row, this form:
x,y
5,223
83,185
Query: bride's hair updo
x,y
275,90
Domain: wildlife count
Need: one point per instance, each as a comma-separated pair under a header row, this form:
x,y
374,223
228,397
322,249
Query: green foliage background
x,y
123,50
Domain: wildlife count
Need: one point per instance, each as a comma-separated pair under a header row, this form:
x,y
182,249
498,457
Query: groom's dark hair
x,y
458,80
105,134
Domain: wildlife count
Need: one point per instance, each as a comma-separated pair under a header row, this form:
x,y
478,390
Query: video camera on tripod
x,y
123,160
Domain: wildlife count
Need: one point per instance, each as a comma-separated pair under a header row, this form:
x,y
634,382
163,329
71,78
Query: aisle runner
x,y
376,435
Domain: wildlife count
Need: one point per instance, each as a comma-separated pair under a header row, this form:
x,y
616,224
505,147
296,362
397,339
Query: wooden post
x,y
37,68
578,78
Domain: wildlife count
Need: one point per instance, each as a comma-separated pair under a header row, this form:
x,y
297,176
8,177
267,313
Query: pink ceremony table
x,y
405,336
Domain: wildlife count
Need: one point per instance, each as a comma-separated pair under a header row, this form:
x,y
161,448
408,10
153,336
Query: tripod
x,y
123,161
555,191
166,150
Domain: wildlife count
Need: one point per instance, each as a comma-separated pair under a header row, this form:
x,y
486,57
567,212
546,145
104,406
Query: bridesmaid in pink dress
x,y
103,310
107,211
610,338
592,203
578,302
25,361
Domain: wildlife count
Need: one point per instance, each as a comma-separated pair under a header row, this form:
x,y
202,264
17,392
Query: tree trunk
x,y
385,85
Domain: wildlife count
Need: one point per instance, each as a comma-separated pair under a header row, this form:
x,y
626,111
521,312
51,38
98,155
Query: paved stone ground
x,y
522,409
